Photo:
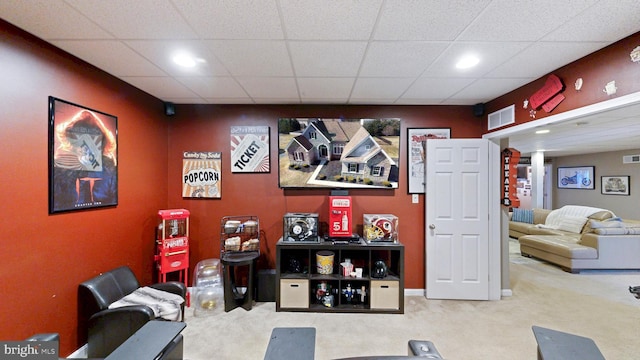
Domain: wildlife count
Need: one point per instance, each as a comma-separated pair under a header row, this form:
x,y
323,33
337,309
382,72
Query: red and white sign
x,y
340,219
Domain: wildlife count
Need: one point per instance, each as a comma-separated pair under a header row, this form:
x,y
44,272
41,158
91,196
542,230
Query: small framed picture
x,y
576,177
416,142
614,185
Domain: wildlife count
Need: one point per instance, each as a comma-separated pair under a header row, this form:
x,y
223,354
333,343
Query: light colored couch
x,y
600,244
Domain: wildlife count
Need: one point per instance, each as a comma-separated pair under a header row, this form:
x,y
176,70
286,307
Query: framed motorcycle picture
x,y
576,177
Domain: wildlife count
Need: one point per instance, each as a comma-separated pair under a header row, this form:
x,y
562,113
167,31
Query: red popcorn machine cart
x,y
172,244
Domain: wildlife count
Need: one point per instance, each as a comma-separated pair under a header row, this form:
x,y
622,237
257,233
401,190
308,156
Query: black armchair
x,y
105,329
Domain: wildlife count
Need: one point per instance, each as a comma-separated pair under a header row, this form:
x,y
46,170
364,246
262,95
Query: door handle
x,y
432,226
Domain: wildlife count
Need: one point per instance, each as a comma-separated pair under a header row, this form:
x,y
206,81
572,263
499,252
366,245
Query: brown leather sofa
x,y
105,329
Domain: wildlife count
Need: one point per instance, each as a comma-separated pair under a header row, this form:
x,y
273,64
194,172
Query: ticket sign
x,y
510,159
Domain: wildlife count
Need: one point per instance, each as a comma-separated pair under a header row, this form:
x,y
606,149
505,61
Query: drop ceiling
x,y
399,52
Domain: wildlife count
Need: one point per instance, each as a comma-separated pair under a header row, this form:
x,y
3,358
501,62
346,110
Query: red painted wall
x,y
207,128
45,256
596,70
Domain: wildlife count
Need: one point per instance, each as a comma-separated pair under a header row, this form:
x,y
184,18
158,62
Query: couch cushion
x,y
565,246
522,215
540,230
601,215
572,224
521,227
624,227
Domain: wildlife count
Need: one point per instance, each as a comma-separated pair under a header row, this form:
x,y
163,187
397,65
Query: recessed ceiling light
x,y
467,62
545,131
186,60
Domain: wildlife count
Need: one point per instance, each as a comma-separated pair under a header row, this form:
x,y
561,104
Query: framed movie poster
x,y
83,157
576,177
250,149
417,142
201,174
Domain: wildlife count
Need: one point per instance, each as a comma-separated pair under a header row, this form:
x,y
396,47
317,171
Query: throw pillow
x,y
604,224
522,215
611,231
572,224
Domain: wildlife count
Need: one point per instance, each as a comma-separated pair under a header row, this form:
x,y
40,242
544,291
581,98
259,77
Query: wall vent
x,y
631,159
502,117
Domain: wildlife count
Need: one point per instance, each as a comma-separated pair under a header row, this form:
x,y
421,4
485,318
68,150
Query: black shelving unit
x,y
297,278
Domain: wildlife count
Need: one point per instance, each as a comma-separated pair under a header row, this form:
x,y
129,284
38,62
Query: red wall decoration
x,y
510,159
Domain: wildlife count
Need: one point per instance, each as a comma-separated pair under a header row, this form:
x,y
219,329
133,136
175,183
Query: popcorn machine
x,y
172,244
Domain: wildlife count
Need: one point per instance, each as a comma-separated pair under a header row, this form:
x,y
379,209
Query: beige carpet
x,y
594,304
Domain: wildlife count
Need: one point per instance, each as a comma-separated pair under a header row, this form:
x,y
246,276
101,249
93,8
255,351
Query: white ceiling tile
x,y
537,59
140,19
426,20
336,101
435,88
380,88
466,101
327,58
329,20
508,20
187,100
163,87
161,53
226,100
491,55
270,87
238,19
252,57
398,59
487,89
111,56
213,87
597,24
316,88
420,101
279,100
49,19
381,101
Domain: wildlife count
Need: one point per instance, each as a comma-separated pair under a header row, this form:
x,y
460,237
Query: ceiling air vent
x,y
502,117
631,159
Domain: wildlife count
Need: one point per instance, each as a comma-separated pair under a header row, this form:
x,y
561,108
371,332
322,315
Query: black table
x,y
292,343
558,345
154,339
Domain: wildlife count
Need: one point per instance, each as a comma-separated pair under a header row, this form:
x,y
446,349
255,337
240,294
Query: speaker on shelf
x,y
169,109
478,109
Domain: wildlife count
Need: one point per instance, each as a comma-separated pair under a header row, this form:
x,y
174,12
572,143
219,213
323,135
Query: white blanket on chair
x,y
570,217
164,304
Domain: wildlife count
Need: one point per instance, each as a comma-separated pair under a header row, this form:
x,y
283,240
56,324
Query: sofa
x,y
577,237
106,327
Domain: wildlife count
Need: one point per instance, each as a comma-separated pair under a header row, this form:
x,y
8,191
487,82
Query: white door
x,y
457,219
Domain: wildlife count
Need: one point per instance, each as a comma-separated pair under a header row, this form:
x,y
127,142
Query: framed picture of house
x,y
416,142
250,149
83,157
576,177
614,185
338,153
